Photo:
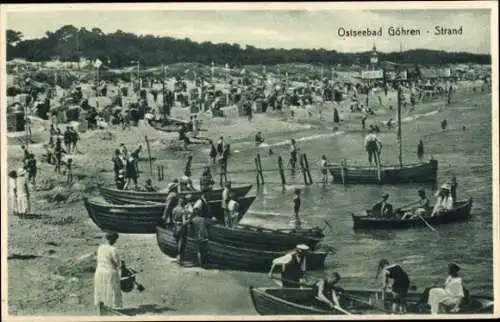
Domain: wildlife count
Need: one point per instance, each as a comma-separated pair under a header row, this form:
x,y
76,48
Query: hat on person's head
x,y
111,235
453,268
297,191
385,195
421,190
445,186
302,248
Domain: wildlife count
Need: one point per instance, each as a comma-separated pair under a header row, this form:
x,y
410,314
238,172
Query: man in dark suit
x,y
382,208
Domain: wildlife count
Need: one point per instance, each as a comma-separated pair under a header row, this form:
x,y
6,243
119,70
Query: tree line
x,y
120,49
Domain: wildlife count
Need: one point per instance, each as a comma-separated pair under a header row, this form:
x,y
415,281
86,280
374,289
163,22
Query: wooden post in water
x,y
282,172
343,171
400,141
260,168
303,168
257,171
162,174
159,174
149,155
308,172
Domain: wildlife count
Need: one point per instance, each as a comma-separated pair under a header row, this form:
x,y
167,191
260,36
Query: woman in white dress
x,y
13,192
107,274
22,193
452,293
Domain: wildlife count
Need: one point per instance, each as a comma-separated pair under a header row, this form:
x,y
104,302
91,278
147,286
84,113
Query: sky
x,y
276,29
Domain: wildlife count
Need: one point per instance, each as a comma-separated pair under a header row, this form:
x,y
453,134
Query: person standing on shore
x,y
233,211
58,152
13,192
225,200
179,216
324,169
213,151
23,194
420,150
107,274
199,225
220,146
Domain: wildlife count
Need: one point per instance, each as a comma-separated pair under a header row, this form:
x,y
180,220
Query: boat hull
x,y
265,239
143,219
301,301
460,213
414,173
229,256
140,197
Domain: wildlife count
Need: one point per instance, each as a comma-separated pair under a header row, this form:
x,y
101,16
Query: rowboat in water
x,y
142,219
137,197
303,301
390,174
461,212
265,238
227,256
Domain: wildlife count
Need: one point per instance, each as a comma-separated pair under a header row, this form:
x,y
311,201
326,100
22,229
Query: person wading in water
x,y
293,154
373,146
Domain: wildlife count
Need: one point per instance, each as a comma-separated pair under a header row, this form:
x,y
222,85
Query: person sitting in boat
x,y
148,186
423,206
373,146
395,281
453,188
382,208
451,295
293,266
186,184
173,186
444,201
326,291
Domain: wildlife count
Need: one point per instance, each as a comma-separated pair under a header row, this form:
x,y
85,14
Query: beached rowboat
x,y
247,236
409,173
302,301
231,257
133,197
142,219
461,212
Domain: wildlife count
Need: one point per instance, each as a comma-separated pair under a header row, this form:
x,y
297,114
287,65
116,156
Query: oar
x,y
427,224
359,300
399,208
310,286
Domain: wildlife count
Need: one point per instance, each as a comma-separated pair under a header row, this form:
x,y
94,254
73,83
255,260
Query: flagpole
x,y
227,84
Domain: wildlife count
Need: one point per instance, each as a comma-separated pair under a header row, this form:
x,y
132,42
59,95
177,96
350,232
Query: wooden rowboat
x,y
461,212
142,219
133,197
409,173
229,256
302,301
265,239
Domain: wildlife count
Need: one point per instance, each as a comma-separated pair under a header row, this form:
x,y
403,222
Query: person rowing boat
x,y
444,202
396,282
326,291
422,206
